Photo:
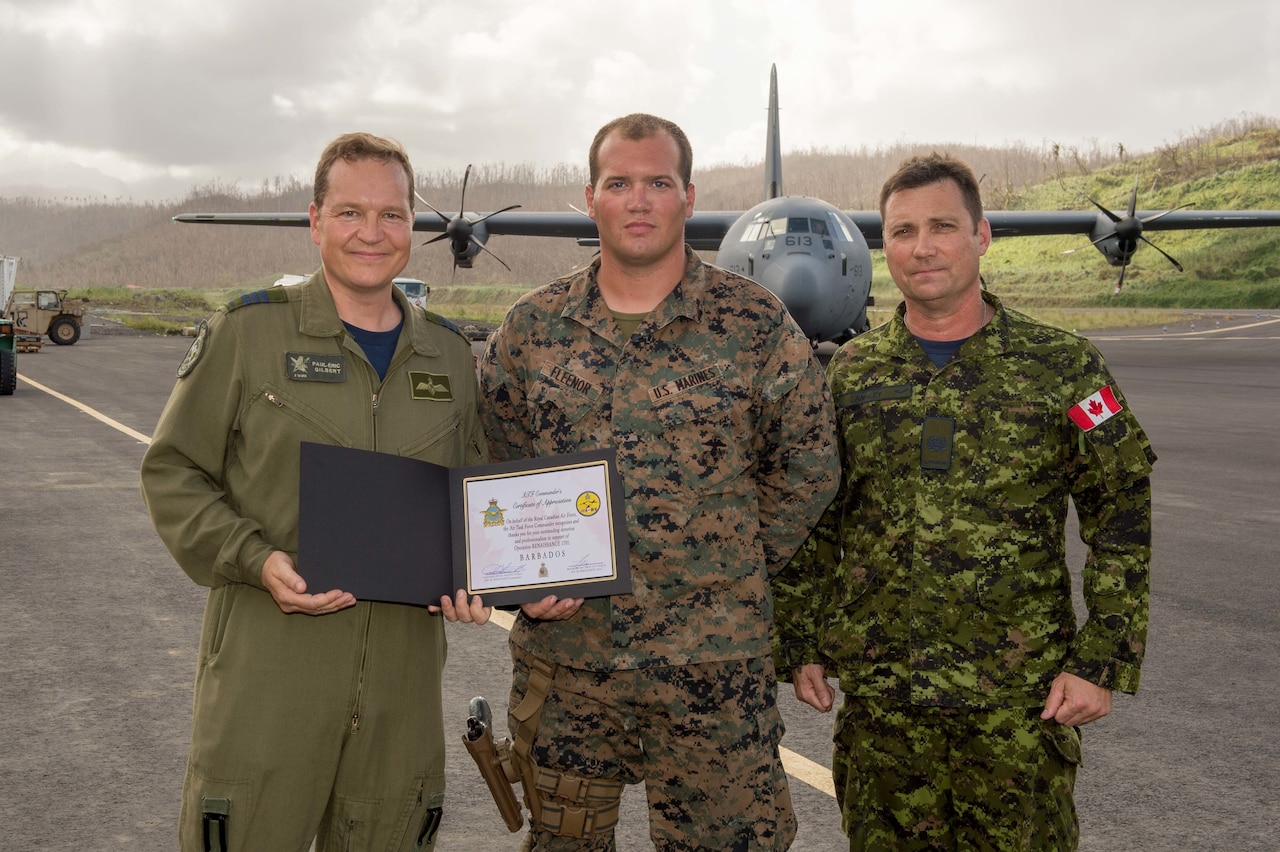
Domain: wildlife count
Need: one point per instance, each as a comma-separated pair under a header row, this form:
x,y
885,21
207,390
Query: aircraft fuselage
x,y
811,256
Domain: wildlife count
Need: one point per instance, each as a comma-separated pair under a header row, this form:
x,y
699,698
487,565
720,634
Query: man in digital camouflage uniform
x,y
316,716
936,585
722,423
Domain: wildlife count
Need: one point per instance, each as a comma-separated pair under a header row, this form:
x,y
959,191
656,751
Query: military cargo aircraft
x,y
811,255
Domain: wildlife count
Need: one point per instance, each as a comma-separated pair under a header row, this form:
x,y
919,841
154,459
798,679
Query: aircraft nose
x,y
797,279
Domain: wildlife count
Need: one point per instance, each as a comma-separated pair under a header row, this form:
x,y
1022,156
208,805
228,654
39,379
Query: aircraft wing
x,y
703,231
1040,223
280,219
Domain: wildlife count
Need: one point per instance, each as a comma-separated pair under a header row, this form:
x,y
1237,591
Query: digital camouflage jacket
x,y
724,432
939,574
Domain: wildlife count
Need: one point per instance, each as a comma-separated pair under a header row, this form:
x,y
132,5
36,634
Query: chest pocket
x,y
700,437
276,410
555,415
1016,443
866,419
442,443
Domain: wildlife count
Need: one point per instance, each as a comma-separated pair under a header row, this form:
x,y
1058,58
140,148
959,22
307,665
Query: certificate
x,y
549,529
389,528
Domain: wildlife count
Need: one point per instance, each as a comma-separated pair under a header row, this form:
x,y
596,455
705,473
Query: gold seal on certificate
x,y
588,503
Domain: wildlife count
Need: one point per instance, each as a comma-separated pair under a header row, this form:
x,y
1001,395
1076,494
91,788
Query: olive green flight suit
x,y
304,725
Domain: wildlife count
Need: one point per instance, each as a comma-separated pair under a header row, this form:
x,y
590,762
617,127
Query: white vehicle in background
x,y
416,291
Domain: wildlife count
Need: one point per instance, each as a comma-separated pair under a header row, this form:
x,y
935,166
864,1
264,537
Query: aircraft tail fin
x,y
773,145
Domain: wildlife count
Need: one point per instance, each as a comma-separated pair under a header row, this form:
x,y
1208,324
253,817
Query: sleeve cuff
x,y
1109,673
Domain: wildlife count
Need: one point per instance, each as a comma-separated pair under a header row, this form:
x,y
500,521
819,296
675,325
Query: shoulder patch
x,y
195,351
1095,409
259,297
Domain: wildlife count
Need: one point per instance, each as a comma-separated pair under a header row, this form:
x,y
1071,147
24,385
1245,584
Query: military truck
x,y
46,312
8,357
36,313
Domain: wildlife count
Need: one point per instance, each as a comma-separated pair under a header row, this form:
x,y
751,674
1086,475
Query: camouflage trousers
x,y
703,739
912,777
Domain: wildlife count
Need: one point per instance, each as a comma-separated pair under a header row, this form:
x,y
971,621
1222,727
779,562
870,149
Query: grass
x,y
157,311
171,311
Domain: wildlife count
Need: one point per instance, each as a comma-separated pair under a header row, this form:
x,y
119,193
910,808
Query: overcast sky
x,y
165,94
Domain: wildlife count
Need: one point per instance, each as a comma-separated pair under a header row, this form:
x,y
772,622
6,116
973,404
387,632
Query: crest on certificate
x,y
493,515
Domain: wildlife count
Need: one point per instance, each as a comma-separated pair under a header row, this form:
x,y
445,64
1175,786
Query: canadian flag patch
x,y
1095,409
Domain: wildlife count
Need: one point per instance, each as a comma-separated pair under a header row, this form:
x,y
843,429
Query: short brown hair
x,y
637,126
924,170
354,147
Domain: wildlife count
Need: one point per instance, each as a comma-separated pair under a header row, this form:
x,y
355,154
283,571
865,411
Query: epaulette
x,y
447,323
259,297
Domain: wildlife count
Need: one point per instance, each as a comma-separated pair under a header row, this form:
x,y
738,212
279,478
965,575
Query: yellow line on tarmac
x,y
1199,333
92,412
798,766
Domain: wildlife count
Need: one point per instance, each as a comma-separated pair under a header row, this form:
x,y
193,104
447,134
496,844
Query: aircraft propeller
x,y
1127,231
466,236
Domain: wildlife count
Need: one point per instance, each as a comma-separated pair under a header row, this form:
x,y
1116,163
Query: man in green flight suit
x,y
317,716
936,586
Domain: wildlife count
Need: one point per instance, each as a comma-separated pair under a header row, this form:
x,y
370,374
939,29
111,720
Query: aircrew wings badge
x,y
1095,409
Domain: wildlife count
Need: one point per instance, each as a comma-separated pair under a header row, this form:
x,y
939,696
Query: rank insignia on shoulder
x,y
430,386
259,297
447,323
195,351
1095,409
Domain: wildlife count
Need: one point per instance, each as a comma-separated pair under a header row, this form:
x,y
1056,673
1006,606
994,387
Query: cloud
x,y
240,91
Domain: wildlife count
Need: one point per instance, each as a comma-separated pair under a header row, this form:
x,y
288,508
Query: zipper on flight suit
x,y
368,618
364,656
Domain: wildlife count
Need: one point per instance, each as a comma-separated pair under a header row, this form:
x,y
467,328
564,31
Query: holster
x,y
494,761
590,806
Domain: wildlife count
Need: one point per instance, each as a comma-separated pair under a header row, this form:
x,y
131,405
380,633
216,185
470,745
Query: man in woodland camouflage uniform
x,y
723,427
936,586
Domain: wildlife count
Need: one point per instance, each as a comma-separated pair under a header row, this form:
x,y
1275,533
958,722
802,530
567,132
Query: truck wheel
x,y
8,372
64,331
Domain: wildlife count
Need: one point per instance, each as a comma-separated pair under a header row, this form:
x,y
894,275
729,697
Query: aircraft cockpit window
x,y
838,228
818,227
797,225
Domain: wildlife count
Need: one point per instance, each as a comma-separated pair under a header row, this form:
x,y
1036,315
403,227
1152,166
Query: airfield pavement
x,y
99,628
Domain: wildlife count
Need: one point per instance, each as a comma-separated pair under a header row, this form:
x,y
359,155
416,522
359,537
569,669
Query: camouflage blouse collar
x,y
584,303
991,339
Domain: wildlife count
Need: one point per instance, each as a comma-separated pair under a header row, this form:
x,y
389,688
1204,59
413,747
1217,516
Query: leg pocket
x,y
1054,823
219,807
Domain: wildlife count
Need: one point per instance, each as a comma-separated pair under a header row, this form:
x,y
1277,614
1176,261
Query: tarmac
x,y
99,627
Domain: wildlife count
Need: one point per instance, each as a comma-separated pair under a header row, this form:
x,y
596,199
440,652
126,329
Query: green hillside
x,y
1223,268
